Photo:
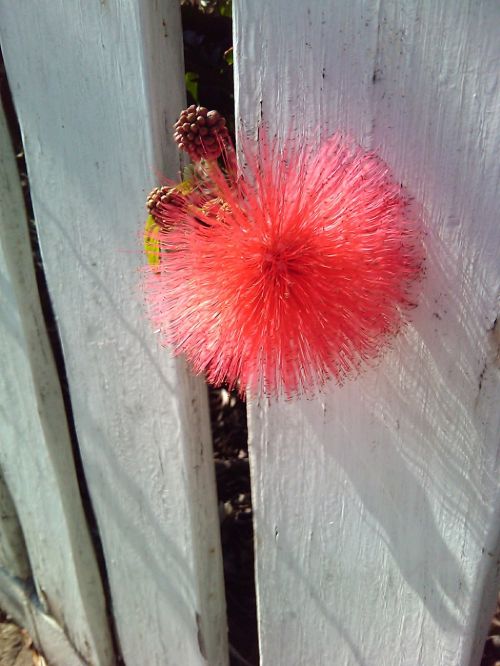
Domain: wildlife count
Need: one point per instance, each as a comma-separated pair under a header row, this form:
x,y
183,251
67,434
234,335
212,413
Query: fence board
x,y
39,486
97,86
377,505
13,552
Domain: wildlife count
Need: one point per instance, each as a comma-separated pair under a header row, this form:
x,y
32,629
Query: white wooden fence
x,y
377,506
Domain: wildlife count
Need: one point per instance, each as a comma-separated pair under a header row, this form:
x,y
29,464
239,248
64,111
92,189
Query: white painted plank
x,y
35,448
377,505
97,86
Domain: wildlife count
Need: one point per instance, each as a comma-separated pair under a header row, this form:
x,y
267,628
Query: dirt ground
x,y
16,648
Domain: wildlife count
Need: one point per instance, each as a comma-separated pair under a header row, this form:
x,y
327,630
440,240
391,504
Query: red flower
x,y
297,273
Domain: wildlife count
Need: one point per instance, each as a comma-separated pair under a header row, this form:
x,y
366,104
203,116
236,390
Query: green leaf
x,y
151,241
228,56
188,173
225,9
192,79
185,187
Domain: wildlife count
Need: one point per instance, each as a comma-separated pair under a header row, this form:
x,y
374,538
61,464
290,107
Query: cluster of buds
x,y
155,201
201,133
159,197
159,194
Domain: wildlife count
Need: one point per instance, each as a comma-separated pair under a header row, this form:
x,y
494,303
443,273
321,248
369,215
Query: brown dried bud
x,y
201,133
158,196
154,197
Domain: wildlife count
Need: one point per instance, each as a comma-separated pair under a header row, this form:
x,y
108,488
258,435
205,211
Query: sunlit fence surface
x,y
376,505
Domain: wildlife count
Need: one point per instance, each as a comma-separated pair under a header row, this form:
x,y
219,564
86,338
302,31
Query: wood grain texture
x,y
377,505
42,514
97,86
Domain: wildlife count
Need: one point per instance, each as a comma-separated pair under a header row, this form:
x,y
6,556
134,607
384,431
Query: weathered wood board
x,y
13,553
44,530
97,86
377,505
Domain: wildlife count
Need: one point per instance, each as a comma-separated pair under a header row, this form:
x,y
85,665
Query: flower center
x,y
275,259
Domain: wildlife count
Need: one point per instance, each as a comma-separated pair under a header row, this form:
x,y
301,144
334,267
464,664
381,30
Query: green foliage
x,y
151,241
221,7
208,40
226,8
229,57
192,79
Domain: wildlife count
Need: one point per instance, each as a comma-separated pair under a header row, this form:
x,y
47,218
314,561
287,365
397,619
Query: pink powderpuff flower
x,y
297,272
